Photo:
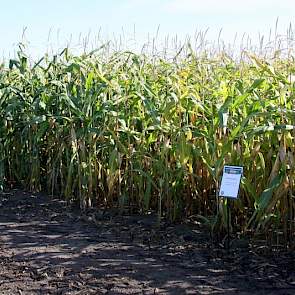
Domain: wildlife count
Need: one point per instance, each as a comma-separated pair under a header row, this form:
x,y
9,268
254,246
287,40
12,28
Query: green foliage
x,y
136,130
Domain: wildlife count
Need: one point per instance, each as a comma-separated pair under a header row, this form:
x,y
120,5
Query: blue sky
x,y
52,24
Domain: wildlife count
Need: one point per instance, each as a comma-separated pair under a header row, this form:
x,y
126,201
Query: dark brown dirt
x,y
48,248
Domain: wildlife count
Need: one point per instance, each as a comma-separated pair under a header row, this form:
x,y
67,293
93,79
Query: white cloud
x,y
228,6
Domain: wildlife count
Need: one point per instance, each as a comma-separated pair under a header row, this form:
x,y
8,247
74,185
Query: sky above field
x,y
53,24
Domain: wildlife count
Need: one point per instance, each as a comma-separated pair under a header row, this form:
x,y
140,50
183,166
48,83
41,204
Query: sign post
x,y
229,188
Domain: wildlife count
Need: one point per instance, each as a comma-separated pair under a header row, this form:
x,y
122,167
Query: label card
x,y
230,182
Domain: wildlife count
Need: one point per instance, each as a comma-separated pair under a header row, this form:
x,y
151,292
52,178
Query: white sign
x,y
230,182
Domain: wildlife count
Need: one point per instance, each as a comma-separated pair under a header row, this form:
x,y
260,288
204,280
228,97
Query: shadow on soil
x,y
46,248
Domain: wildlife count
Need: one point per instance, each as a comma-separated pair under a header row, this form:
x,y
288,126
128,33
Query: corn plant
x,y
145,132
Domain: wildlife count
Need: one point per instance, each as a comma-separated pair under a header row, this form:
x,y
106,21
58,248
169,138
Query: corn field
x,y
129,130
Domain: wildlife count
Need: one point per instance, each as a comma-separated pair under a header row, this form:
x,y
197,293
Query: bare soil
x,y
47,247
